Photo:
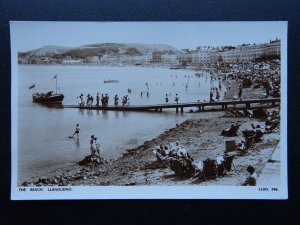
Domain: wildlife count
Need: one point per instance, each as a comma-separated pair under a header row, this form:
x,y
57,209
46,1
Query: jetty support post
x,y
181,110
176,109
160,109
248,105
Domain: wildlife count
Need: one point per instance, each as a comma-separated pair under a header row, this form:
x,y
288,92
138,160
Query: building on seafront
x,y
245,53
91,60
203,54
200,56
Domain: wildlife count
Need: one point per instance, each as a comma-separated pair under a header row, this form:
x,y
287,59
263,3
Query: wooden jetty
x,y
202,106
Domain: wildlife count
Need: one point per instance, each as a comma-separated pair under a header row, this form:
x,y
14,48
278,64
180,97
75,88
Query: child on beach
x,y
251,180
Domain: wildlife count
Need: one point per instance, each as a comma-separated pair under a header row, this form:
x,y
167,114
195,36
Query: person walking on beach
x,y
77,129
240,92
217,95
251,180
211,94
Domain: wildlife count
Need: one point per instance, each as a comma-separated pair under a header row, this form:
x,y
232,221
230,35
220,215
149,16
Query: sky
x,y
27,36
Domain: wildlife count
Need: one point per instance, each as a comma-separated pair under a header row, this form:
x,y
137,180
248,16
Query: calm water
x,y
43,132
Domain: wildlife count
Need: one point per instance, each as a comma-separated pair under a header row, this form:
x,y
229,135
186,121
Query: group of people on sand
x,y
177,151
95,146
173,150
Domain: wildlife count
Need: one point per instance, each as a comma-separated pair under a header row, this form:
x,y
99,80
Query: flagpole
x,y
56,85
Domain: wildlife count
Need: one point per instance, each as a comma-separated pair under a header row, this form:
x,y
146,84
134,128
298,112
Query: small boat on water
x,y
48,97
111,81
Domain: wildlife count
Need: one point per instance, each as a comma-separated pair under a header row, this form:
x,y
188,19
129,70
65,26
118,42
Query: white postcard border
x,y
147,192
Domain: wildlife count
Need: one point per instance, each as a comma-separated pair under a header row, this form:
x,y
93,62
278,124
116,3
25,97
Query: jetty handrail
x,y
200,105
187,104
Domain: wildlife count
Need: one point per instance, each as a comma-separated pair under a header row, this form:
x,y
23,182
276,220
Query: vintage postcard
x,y
149,110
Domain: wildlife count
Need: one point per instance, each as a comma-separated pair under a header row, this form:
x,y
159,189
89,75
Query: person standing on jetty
x,y
97,99
116,100
106,98
102,100
91,100
79,101
77,129
176,98
82,101
167,98
88,100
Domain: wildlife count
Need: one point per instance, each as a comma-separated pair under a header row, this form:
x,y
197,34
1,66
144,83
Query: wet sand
x,y
201,137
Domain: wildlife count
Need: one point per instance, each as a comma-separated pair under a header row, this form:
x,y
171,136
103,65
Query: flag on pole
x,y
31,86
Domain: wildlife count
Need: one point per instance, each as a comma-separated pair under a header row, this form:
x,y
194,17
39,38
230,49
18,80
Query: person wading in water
x,y
76,131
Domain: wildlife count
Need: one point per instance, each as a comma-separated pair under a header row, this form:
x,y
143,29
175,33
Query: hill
x,y
46,51
114,49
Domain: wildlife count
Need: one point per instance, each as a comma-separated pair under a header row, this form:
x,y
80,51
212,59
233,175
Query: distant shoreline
x,y
117,66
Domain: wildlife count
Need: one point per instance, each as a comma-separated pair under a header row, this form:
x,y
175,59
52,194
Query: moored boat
x,y
48,98
111,81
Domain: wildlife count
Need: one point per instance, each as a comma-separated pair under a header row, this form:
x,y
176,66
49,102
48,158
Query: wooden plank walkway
x,y
202,106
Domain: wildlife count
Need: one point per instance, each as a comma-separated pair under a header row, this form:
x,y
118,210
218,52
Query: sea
x,y
43,133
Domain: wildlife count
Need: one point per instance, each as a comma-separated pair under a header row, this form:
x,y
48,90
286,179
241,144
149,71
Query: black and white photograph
x,y
164,110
